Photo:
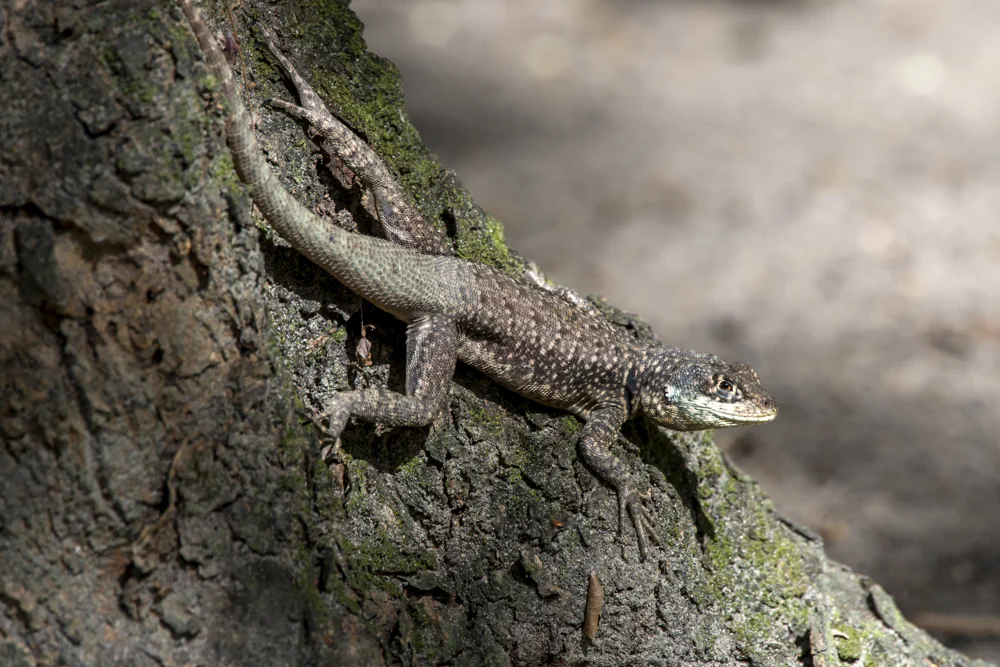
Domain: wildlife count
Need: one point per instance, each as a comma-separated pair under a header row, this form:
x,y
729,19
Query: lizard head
x,y
690,392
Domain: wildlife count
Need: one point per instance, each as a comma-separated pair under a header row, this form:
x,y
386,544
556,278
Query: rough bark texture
x,y
162,498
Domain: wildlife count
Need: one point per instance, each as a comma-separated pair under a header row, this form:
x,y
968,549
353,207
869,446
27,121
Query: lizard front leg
x,y
401,222
600,431
431,353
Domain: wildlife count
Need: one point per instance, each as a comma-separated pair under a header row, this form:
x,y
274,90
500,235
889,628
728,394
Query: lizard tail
x,y
293,221
396,279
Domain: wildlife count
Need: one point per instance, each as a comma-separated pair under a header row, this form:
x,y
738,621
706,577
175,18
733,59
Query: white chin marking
x,y
743,419
757,420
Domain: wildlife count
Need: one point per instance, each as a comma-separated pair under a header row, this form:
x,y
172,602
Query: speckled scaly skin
x,y
528,339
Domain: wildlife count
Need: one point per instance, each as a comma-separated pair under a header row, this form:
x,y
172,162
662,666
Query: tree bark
x,y
163,499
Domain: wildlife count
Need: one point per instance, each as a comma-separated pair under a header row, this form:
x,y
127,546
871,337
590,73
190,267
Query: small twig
x,y
236,38
150,529
965,625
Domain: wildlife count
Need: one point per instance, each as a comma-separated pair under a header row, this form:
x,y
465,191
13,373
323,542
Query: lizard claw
x,y
630,503
330,453
335,419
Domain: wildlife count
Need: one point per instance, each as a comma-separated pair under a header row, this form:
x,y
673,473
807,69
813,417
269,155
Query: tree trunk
x,y
163,498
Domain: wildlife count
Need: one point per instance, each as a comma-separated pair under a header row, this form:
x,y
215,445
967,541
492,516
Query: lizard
x,y
536,342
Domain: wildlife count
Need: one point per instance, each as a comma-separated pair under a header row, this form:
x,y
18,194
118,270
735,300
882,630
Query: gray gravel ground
x,y
809,187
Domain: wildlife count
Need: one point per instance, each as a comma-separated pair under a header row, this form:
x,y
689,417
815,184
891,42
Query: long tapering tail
x,y
398,280
293,221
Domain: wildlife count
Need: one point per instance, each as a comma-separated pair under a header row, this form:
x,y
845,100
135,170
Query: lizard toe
x,y
630,504
331,453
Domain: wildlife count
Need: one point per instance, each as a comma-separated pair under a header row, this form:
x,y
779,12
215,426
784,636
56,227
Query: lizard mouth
x,y
758,419
746,417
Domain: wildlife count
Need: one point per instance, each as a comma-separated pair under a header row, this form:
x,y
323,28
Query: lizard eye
x,y
726,390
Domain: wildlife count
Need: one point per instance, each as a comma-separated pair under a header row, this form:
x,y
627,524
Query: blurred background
x,y
811,187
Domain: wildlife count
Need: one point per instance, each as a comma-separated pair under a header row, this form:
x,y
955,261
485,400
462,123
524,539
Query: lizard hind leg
x,y
307,96
400,221
431,352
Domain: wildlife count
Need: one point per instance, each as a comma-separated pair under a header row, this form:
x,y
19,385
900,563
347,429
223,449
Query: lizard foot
x,y
310,116
630,502
310,100
331,453
331,424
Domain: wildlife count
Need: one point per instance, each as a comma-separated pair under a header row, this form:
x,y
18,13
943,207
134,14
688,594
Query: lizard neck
x,y
649,359
651,374
633,384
